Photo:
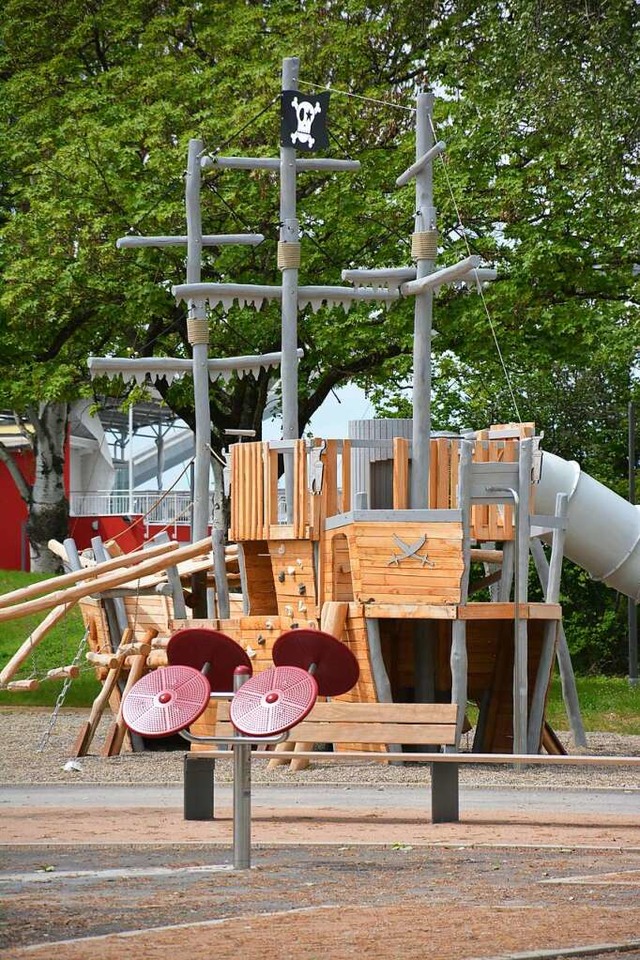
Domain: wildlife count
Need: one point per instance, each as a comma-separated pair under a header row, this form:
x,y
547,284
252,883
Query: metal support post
x,y
445,793
241,790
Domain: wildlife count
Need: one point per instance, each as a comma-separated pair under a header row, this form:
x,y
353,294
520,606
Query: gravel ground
x,y
33,752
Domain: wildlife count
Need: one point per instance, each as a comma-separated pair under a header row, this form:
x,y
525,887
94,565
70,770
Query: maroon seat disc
x,y
195,646
273,701
166,701
336,668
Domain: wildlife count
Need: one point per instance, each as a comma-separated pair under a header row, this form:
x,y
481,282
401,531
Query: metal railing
x,y
154,505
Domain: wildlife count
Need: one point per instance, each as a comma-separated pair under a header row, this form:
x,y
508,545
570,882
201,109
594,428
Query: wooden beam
x,y
107,581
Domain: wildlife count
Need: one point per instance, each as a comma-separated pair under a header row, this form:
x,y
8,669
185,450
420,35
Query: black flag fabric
x,y
303,120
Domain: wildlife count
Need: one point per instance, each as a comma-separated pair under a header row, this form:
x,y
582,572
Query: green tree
x,y
538,103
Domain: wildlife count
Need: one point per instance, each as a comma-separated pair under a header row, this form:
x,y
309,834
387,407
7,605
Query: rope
x,y
197,330
288,255
154,504
175,519
357,96
424,246
480,291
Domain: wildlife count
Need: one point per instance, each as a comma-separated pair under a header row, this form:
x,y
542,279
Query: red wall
x,y
128,537
14,549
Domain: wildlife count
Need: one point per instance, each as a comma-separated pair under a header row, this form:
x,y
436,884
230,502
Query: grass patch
x,y
607,704
57,649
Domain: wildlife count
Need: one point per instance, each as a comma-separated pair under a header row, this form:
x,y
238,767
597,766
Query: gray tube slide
x,y
603,530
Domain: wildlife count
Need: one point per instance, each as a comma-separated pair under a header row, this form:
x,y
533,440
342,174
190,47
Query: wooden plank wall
x,y
260,591
381,573
488,522
338,567
254,486
293,574
251,489
143,613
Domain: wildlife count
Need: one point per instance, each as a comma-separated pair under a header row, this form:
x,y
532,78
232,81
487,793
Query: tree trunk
x,y
48,506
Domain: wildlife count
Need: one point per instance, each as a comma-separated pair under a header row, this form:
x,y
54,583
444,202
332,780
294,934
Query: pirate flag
x,y
303,121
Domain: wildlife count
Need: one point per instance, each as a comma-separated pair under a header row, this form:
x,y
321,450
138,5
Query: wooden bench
x,y
369,724
364,725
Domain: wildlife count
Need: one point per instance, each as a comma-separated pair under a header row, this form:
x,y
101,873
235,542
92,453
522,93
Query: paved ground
x,y
350,797
113,871
99,863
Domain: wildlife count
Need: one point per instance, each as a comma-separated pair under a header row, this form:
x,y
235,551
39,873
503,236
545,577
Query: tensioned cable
x,y
213,189
480,291
243,127
155,504
357,96
175,180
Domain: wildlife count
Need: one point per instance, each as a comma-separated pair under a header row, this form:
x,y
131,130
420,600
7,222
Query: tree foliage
x,y
538,103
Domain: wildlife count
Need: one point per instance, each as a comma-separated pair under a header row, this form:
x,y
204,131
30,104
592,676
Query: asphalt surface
x,y
615,802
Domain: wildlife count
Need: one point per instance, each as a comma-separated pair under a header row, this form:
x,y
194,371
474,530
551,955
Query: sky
x,y
332,419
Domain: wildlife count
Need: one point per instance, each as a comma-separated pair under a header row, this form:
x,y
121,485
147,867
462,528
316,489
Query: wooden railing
x,y
322,483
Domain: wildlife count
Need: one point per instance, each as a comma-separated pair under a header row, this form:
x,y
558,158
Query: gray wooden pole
x,y
632,610
567,677
551,630
289,234
459,658
424,638
521,592
198,337
424,254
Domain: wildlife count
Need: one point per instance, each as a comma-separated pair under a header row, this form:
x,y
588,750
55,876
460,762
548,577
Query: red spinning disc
x,y
195,646
273,701
336,669
165,701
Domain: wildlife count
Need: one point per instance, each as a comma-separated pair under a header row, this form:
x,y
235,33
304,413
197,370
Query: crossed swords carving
x,y
410,550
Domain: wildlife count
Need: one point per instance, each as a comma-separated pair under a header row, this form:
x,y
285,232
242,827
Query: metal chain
x,y
62,695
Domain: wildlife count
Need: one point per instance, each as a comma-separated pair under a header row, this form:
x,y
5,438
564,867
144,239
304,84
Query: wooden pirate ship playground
x,y
411,548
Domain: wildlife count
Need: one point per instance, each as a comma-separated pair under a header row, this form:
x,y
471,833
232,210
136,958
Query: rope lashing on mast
x,y
424,245
288,255
197,330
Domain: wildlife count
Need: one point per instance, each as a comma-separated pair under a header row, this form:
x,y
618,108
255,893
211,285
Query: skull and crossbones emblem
x,y
306,113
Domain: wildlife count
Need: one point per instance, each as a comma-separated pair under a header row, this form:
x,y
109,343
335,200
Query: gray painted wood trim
x,y
208,240
393,516
520,668
246,606
273,163
73,557
114,609
174,583
508,565
378,670
459,671
565,667
464,500
220,574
